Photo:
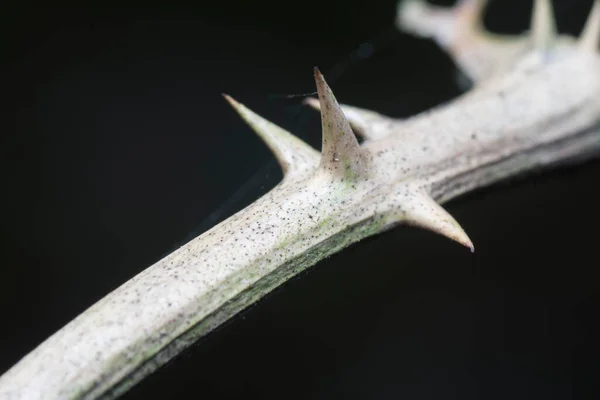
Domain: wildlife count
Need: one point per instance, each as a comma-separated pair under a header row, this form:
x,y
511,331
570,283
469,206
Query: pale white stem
x,y
545,111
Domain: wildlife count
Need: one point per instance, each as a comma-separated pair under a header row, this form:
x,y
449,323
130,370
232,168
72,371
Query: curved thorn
x,y
590,36
421,210
543,25
341,154
368,124
292,153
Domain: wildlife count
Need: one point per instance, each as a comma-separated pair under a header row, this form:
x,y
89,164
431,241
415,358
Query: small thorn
x,y
421,210
460,31
341,154
543,25
291,153
365,123
414,16
423,19
312,102
590,36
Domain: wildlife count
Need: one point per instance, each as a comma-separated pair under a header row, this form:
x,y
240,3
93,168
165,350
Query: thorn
x,y
426,20
461,33
543,25
341,154
423,211
590,36
470,13
291,153
365,123
414,16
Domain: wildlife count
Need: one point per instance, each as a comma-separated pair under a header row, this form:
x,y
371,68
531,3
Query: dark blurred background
x,y
119,148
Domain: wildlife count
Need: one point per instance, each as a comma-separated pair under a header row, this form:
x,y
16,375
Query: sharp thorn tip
x,y
229,99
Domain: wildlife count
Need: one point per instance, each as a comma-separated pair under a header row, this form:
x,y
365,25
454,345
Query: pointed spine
x,y
422,211
341,155
293,154
543,25
368,124
590,36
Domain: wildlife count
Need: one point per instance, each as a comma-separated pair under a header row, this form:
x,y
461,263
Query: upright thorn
x,y
543,25
368,124
590,36
341,155
291,153
421,210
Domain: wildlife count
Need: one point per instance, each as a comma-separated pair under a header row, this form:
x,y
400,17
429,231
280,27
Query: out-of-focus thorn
x,y
543,25
442,23
590,36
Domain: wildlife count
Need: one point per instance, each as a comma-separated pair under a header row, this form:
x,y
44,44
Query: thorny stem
x,y
531,116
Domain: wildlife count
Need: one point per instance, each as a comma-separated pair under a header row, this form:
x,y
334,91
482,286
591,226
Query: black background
x,y
119,148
